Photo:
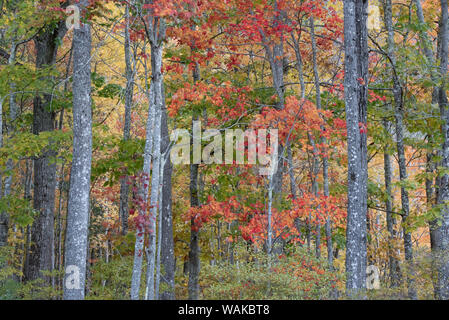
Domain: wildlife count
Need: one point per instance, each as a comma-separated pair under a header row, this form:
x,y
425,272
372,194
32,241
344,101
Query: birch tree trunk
x,y
78,203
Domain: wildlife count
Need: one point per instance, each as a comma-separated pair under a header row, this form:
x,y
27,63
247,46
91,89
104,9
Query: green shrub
x,y
297,276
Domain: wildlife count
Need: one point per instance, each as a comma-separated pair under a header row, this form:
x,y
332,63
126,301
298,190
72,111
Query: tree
x,y
167,242
400,128
355,83
155,30
130,62
79,194
442,243
42,233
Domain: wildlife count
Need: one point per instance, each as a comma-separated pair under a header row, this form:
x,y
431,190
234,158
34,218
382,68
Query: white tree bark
x,y
159,228
355,103
78,203
143,197
155,34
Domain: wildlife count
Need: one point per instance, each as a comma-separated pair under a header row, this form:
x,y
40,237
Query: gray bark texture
x,y
167,245
124,186
42,231
143,198
394,269
155,32
430,190
355,84
442,231
400,128
78,203
156,57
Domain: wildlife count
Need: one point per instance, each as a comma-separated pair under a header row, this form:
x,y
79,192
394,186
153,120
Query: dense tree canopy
x,y
235,149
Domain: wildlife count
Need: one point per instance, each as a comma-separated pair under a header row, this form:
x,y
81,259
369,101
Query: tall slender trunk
x,y
143,191
299,68
167,243
42,231
194,254
298,65
59,262
355,83
269,218
130,69
328,226
275,54
4,216
78,203
27,196
315,190
291,173
442,230
156,57
2,223
394,269
400,128
159,229
316,75
430,167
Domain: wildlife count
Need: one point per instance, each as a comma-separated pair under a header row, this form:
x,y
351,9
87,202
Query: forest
x,y
224,150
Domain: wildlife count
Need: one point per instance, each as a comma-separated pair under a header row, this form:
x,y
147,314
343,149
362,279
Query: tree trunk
x,y
194,254
130,69
355,83
427,48
399,122
167,250
78,203
442,239
394,272
156,60
143,194
42,231
4,216
13,110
